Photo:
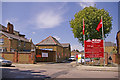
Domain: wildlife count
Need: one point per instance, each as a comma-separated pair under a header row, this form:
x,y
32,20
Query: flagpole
x,y
103,40
84,42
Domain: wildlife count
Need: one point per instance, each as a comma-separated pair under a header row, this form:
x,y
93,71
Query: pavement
x,y
73,65
95,68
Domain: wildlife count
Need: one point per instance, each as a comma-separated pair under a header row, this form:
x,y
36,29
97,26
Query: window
x,y
3,49
1,41
50,49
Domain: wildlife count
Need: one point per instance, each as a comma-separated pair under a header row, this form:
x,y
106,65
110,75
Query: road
x,y
57,70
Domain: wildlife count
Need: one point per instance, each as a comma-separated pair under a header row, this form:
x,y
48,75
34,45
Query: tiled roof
x,y
49,41
74,52
14,36
107,44
65,44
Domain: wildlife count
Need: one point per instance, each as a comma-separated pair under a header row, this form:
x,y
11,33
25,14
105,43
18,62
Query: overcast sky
x,y
38,20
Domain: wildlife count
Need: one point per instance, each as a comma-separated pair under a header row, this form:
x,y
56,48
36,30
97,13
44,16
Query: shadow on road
x,y
54,62
8,73
8,66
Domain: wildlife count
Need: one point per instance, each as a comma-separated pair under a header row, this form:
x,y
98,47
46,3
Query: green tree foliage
x,y
77,50
92,17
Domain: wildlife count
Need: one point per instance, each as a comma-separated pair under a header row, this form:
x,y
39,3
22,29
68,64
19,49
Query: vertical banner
x,y
79,58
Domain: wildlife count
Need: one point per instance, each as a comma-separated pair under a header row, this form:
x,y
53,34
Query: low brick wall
x,y
9,56
106,60
99,62
20,57
116,58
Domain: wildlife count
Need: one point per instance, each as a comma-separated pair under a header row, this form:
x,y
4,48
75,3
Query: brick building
x,y
11,40
74,53
50,43
66,50
118,42
110,47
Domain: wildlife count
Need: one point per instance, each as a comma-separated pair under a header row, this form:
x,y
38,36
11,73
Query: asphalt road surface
x,y
56,70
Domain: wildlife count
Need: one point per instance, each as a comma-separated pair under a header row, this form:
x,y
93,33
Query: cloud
x,y
58,38
79,47
33,32
84,3
48,19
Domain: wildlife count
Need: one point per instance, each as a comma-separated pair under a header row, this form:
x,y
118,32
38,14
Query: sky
x,y
38,20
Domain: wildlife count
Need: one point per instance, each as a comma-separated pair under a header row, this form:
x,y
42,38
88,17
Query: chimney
x,y
30,40
10,28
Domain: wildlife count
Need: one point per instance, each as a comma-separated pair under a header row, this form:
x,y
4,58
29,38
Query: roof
x,y
74,51
65,44
49,41
108,44
14,36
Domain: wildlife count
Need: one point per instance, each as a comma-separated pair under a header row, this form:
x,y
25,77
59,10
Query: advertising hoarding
x,y
94,48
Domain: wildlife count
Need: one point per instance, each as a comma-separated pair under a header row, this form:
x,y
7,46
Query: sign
x,y
38,55
94,43
79,58
94,55
50,49
44,54
94,48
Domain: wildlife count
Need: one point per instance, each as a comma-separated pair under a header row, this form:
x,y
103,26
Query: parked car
x,y
4,62
86,60
72,58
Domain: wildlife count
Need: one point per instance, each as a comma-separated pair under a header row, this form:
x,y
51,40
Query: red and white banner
x,y
83,27
99,25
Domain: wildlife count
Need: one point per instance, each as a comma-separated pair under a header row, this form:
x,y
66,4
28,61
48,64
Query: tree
x,y
77,50
92,17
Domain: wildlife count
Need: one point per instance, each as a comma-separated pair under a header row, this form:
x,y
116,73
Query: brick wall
x,y
109,49
14,44
61,52
67,52
106,60
21,57
116,58
101,61
118,42
51,56
9,56
6,43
